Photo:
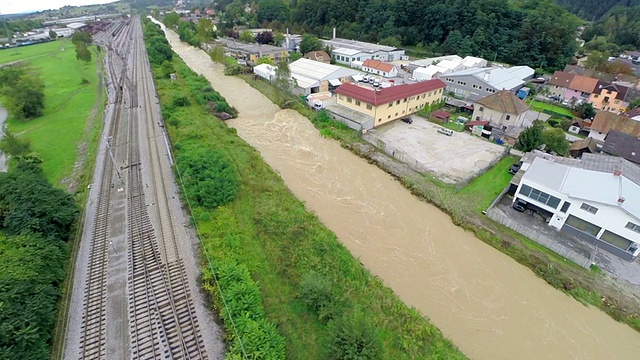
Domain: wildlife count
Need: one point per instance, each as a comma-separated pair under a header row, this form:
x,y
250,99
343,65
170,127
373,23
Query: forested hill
x,y
538,33
620,26
594,9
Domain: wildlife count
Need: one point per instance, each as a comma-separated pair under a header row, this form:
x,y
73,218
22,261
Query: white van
x,y
376,82
445,131
365,79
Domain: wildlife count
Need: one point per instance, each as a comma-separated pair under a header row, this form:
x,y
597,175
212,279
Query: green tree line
x,y
594,9
15,26
23,90
35,223
538,33
620,26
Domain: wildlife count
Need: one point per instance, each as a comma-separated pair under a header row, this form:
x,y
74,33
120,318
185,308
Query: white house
x,y
597,199
378,67
348,56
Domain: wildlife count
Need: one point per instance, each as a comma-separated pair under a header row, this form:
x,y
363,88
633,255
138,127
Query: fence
x,y
555,246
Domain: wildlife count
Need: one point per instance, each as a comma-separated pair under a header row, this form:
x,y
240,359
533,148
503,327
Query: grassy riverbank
x,y
313,290
465,208
69,102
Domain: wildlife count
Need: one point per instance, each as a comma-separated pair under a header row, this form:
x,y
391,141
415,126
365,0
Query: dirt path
x,y
3,157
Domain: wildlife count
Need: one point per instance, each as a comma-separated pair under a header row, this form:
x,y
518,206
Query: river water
x,y
489,305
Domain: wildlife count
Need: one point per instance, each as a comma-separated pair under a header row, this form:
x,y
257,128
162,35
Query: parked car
x,y
365,79
407,120
515,167
444,131
520,205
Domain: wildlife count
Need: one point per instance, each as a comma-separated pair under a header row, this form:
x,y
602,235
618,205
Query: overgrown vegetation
x,y
619,26
309,284
23,90
35,222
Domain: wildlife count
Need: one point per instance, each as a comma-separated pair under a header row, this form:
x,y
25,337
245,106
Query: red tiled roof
x,y
583,83
377,64
476,122
441,114
605,121
386,95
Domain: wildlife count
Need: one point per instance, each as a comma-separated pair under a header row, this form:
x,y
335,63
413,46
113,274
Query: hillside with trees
x,y
594,9
620,26
538,33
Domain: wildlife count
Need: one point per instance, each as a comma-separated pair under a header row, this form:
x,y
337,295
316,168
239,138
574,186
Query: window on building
x,y
398,102
539,196
508,117
379,119
349,100
617,102
396,114
582,225
369,107
358,103
390,104
388,116
595,96
404,100
423,95
481,108
588,208
341,97
633,227
616,240
565,207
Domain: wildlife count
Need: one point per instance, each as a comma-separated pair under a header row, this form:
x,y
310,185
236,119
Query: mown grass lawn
x,y
540,106
482,190
68,103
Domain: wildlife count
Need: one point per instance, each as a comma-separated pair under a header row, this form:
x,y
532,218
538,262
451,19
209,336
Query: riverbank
x,y
310,284
463,206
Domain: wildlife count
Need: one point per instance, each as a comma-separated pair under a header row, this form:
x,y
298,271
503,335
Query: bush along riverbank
x,y
465,205
282,283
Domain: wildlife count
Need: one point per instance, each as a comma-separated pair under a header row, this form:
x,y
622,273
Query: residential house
x,y
579,147
592,73
559,83
502,108
319,56
624,145
253,52
580,89
367,50
608,97
475,84
606,121
634,114
313,77
363,107
608,217
378,67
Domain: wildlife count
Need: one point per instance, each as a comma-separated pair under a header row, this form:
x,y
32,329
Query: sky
x,y
21,6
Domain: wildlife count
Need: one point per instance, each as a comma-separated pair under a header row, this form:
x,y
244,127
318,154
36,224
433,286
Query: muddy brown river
x,y
489,305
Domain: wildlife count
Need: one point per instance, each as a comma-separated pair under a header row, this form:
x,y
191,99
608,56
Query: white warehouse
x,y
598,199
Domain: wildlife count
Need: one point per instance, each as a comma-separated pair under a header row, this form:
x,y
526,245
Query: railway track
x,y
162,319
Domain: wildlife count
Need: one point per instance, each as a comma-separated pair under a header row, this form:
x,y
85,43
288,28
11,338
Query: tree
x,y
309,43
634,104
265,37
204,30
265,60
596,59
167,69
52,34
13,146
294,56
82,52
586,111
530,138
270,10
278,40
171,20
555,140
283,79
81,37
617,67
247,36
24,92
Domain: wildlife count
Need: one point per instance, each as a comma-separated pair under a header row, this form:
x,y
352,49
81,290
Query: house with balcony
x,y
608,218
580,89
363,107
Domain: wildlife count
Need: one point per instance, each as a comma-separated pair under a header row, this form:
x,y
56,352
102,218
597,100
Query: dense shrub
x,y
355,338
247,329
207,175
317,293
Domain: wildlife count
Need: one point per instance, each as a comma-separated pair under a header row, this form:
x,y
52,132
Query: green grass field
x,y
540,106
68,104
486,187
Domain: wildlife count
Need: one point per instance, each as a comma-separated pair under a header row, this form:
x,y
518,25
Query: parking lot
x,y
452,159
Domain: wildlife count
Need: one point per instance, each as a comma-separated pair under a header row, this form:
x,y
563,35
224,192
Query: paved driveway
x,y
452,159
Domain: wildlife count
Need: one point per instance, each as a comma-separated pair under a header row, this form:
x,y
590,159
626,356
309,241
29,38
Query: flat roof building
x,y
313,76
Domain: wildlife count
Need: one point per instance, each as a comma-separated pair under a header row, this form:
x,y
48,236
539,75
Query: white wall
x,y
496,117
597,135
607,217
